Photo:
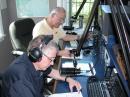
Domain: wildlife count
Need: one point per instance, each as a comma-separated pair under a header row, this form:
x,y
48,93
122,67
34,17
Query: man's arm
x,y
71,37
72,83
64,52
56,75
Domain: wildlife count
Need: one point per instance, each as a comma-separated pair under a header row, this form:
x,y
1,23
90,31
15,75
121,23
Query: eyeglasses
x,y
61,19
51,59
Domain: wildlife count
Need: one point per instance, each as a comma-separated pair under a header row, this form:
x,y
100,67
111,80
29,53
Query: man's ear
x,y
39,60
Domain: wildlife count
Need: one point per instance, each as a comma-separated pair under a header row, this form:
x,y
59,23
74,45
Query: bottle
x,y
81,21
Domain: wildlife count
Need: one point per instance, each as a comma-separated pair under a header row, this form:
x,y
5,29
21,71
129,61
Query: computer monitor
x,y
86,30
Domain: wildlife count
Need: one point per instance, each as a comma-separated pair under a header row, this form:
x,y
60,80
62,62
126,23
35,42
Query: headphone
x,y
35,54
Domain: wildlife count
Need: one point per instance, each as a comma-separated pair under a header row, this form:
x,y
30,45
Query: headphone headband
x,y
35,53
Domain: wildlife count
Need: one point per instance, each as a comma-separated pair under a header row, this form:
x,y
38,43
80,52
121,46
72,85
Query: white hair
x,y
57,10
51,45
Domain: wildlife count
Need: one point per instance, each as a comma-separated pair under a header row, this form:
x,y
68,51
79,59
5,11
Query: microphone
x,y
75,62
73,72
70,71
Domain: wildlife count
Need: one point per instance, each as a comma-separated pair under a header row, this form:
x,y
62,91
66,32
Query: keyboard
x,y
73,43
97,88
111,88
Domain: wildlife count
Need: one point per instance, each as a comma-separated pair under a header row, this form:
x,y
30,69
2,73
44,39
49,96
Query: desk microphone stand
x,y
75,64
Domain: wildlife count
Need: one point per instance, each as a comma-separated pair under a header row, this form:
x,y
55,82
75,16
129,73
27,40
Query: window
x,y
1,28
32,8
2,6
72,6
86,9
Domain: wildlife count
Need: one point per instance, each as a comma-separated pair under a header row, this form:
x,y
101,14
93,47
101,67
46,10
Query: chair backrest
x,y
21,33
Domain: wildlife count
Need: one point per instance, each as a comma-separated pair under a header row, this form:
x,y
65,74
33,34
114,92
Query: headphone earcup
x,y
35,54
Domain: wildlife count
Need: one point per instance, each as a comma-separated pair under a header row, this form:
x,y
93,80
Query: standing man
x,y
25,75
51,26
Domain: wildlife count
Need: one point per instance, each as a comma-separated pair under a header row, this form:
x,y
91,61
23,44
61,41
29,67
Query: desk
x,y
63,87
60,86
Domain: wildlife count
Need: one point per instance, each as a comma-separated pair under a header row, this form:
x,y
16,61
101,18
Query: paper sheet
x,y
82,66
70,94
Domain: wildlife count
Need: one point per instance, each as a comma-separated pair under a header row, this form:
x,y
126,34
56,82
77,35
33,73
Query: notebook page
x,y
70,94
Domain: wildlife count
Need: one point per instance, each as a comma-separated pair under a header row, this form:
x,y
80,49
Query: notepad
x,y
82,66
70,94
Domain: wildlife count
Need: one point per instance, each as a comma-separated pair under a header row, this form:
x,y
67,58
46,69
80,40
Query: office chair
x,y
20,32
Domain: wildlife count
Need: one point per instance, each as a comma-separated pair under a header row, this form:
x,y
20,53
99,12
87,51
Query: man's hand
x,y
73,83
65,53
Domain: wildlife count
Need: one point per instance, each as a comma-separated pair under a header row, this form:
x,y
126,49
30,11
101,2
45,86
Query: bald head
x,y
56,17
57,10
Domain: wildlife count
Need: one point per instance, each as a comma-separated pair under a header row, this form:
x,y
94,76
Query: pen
x,y
80,90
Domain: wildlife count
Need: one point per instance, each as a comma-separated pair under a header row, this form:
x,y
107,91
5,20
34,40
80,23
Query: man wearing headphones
x,y
25,75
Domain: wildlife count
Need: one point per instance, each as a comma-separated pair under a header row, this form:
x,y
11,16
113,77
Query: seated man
x,y
51,26
25,75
